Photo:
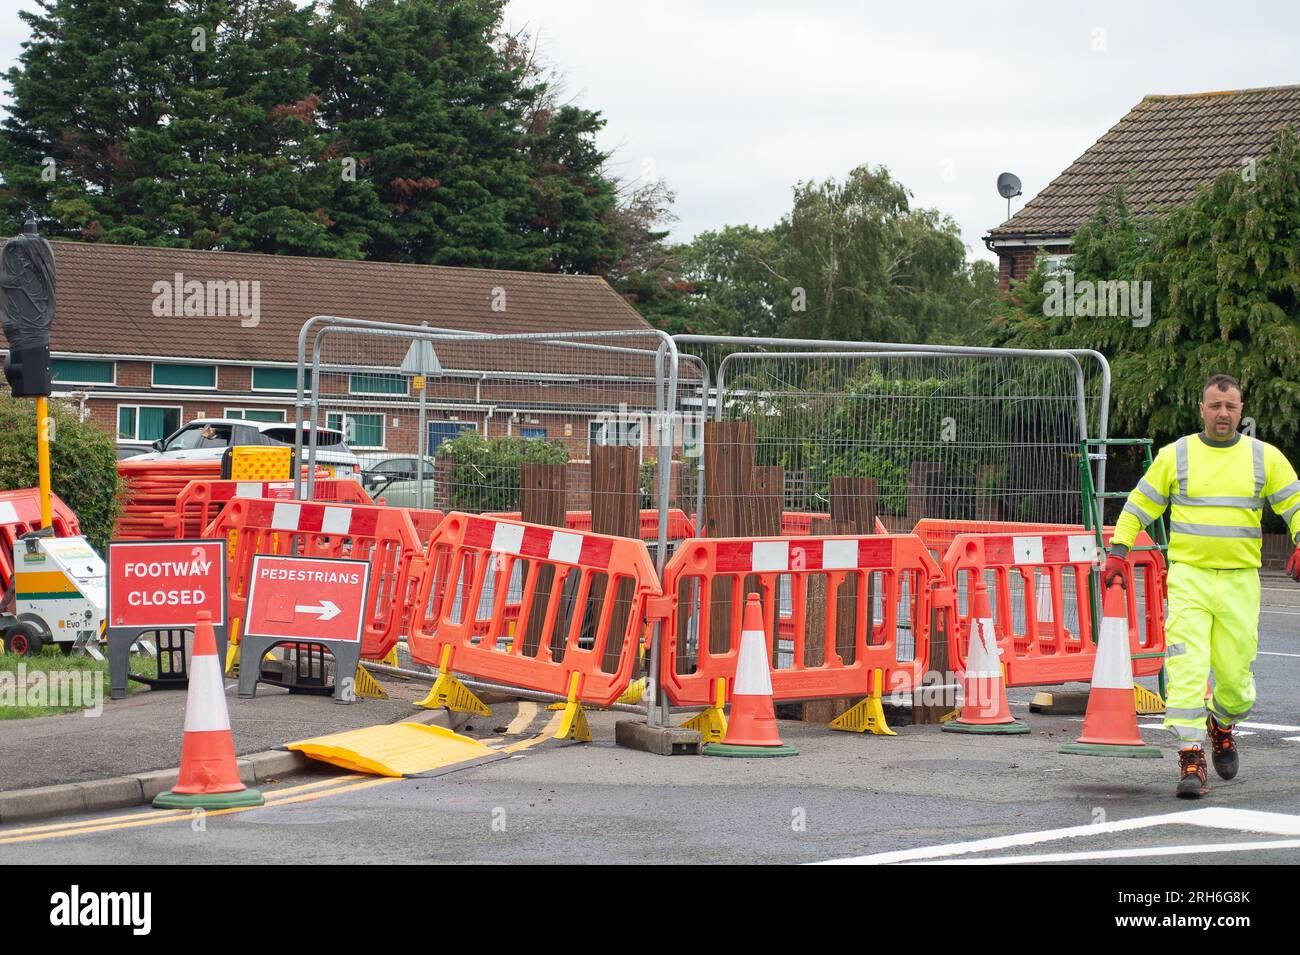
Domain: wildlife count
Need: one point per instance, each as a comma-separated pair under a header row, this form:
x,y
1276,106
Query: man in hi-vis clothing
x,y
1215,485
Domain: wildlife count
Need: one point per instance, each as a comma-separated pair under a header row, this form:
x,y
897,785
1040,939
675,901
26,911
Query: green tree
x,y
83,463
851,260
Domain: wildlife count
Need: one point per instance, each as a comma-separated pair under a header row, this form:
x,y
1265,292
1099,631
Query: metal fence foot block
x,y
659,740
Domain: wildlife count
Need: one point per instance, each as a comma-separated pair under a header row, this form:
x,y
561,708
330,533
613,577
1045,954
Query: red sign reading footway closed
x,y
165,583
311,597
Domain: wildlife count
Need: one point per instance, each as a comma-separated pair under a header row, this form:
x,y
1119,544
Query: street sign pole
x,y
420,362
43,459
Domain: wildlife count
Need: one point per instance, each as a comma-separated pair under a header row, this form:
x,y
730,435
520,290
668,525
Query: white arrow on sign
x,y
327,610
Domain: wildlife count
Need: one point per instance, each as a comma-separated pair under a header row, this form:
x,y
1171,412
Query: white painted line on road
x,y
1237,820
1275,653
1285,613
1275,727
1122,853
1291,739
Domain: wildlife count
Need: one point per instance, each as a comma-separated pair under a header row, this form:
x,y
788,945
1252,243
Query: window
x,y
145,423
184,376
75,371
533,433
359,430
1056,264
369,383
617,431
254,414
277,379
198,436
440,431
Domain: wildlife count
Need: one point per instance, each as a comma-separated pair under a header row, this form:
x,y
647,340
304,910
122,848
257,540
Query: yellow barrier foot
x,y
1147,703
712,723
232,660
366,686
866,715
449,692
634,693
574,725
391,659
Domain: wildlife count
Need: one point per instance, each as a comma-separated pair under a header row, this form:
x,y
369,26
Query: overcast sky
x,y
733,103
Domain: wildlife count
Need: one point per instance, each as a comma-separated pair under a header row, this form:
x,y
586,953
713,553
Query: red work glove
x,y
1113,571
1293,565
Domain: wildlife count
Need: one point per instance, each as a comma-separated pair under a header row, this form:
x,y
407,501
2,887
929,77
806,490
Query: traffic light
x,y
28,371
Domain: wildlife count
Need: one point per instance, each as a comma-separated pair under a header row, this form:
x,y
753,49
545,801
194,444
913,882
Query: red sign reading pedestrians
x,y
313,598
162,584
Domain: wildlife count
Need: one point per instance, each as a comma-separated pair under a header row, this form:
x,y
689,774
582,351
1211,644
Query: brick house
x,y
1164,149
146,339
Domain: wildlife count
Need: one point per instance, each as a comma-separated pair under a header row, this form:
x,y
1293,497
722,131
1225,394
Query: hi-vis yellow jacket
x,y
1216,498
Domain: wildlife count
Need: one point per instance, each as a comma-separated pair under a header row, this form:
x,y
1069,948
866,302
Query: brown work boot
x,y
1193,782
1224,752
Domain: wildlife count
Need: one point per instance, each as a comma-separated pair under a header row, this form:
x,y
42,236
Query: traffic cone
x,y
1110,726
984,691
209,778
751,728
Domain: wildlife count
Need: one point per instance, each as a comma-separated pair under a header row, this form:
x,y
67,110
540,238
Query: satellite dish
x,y
1008,187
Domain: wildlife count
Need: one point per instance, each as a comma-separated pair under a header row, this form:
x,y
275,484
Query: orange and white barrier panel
x,y
576,615
857,605
1041,602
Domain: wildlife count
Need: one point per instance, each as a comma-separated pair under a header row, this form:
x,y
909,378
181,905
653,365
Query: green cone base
x,y
988,729
236,800
1104,749
729,749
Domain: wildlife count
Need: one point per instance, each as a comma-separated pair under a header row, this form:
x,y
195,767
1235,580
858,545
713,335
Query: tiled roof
x,y
105,301
1169,145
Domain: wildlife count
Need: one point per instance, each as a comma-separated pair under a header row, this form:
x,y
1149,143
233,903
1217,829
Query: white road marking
x,y
1291,739
1122,853
1274,653
1285,613
1237,820
1275,727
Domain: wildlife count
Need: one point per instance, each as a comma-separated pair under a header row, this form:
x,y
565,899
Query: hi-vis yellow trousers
x,y
1213,623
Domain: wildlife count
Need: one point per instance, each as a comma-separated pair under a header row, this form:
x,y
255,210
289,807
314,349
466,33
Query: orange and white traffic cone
x,y
751,728
984,690
1110,726
209,777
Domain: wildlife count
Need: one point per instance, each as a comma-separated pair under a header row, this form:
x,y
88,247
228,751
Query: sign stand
x,y
311,604
157,587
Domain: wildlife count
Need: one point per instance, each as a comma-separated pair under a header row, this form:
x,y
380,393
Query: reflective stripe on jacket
x,y
1216,499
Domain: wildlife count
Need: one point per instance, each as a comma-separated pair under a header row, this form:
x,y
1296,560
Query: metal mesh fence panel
x,y
856,435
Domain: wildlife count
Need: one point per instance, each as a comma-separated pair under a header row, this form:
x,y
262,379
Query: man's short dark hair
x,y
1222,382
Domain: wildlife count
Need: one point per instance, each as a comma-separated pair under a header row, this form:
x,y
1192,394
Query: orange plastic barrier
x,y
938,534
199,502
843,621
426,522
581,601
680,526
384,536
20,512
1038,589
800,523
